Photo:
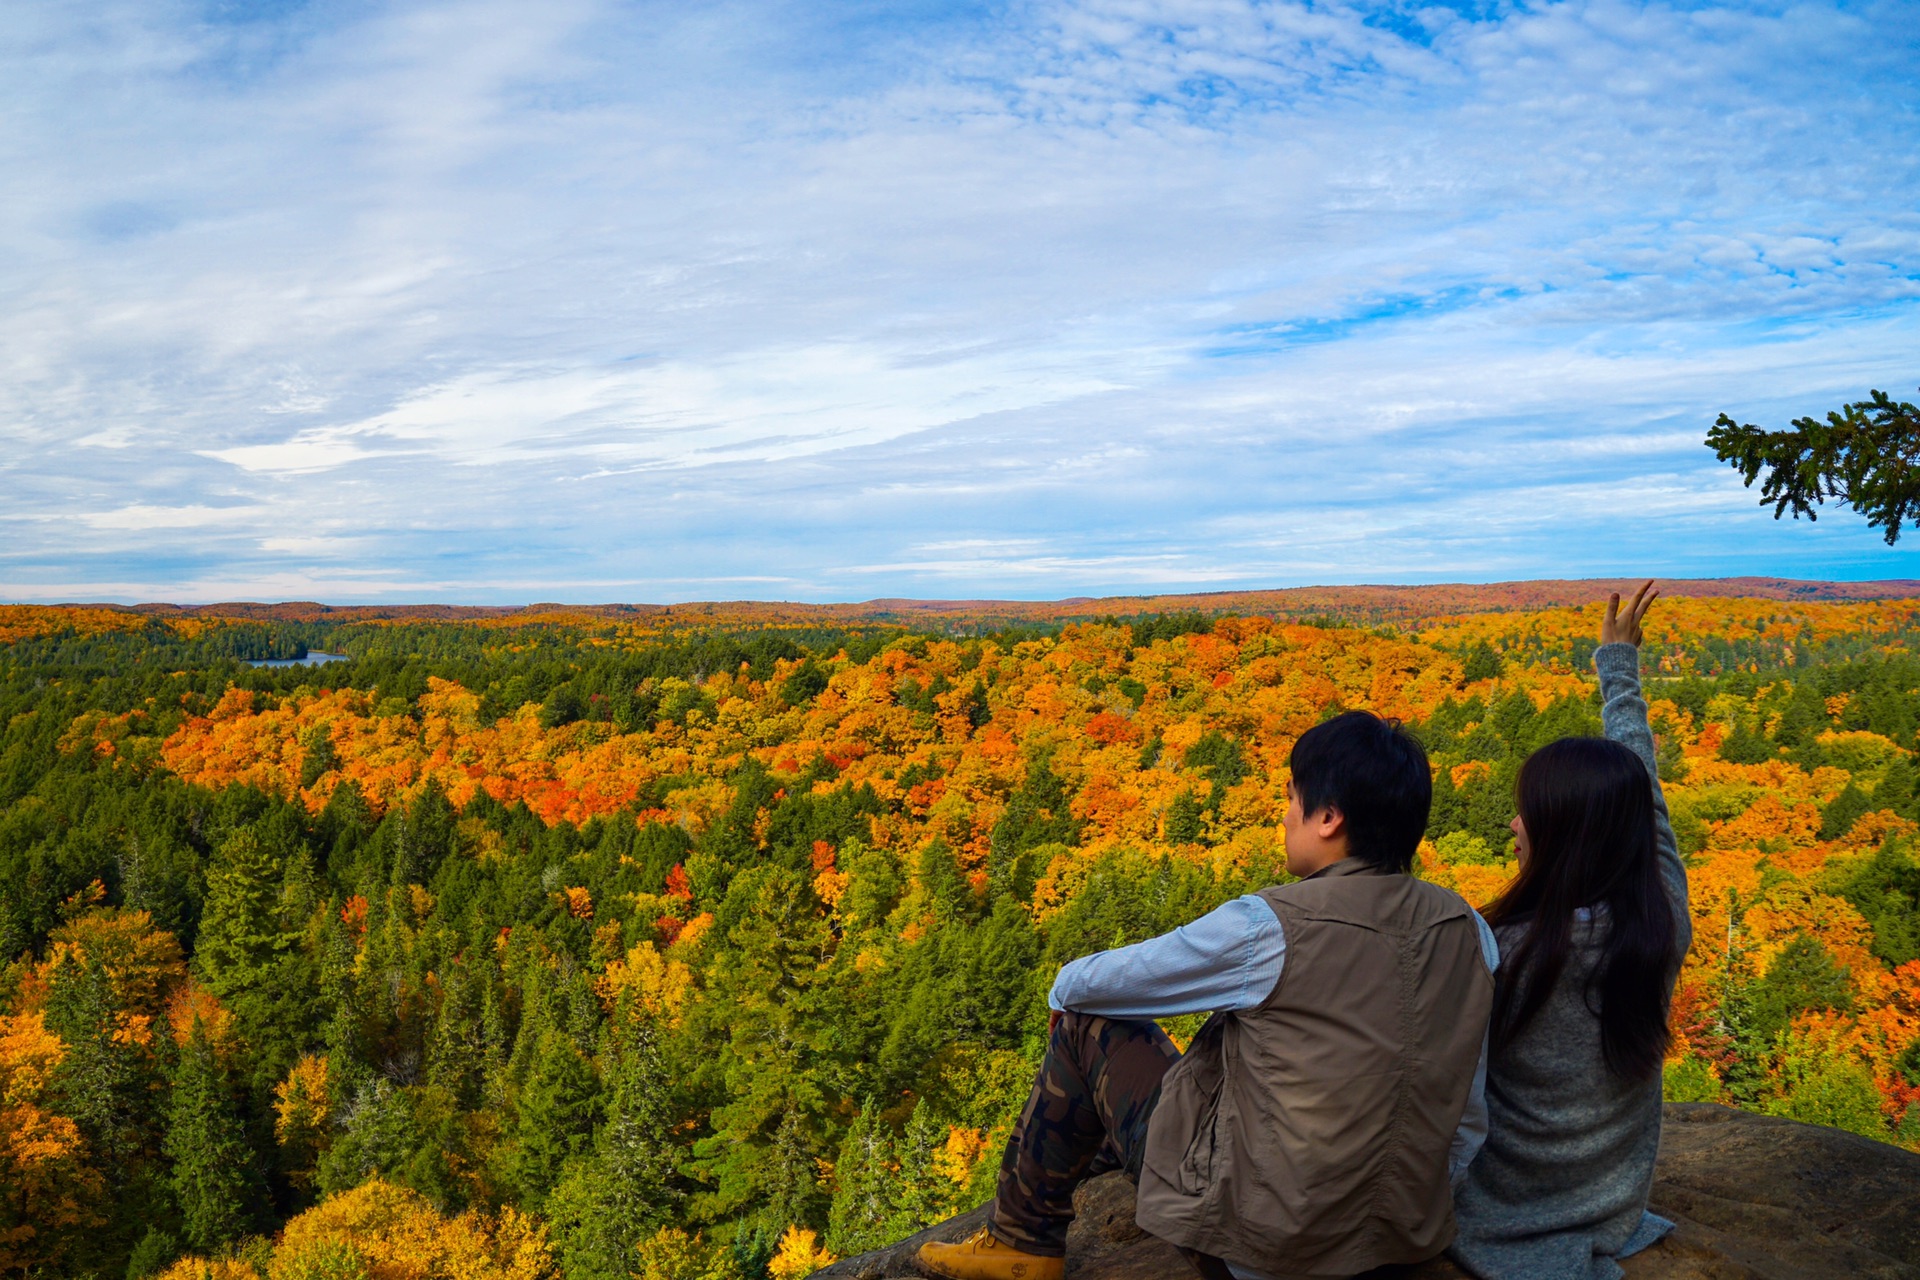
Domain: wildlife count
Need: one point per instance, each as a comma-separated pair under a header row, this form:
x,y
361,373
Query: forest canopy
x,y
711,946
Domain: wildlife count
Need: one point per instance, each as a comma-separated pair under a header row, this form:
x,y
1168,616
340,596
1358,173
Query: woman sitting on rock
x,y
1592,932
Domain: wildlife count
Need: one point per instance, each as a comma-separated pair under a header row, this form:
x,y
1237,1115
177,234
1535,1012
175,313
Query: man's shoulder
x,y
1395,892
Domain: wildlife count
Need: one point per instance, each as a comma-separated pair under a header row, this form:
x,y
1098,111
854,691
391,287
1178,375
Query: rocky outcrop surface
x,y
1755,1198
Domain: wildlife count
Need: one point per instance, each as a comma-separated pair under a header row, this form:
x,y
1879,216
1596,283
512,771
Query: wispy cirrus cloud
x,y
1042,298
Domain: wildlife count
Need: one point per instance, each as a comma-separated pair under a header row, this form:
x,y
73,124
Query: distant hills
x,y
1370,603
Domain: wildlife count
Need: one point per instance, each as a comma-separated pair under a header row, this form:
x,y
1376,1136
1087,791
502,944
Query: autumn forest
x,y
711,944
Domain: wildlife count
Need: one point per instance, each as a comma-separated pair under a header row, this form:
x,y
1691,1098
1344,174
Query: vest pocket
x,y
1211,1057
1196,1166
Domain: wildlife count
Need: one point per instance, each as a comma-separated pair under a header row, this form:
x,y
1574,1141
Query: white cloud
x,y
111,438
140,517
308,451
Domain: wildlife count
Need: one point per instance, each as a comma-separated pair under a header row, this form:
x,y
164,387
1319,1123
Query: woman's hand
x,y
1615,629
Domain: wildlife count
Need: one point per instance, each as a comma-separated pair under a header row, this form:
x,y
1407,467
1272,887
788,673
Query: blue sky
x,y
487,301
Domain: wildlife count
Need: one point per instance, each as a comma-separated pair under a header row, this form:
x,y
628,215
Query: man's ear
x,y
1330,823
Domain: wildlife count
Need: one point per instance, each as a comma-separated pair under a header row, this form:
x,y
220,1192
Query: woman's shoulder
x,y
1589,929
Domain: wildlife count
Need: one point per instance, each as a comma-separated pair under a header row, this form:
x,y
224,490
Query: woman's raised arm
x,y
1623,712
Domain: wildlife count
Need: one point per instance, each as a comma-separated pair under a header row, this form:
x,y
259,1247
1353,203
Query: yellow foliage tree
x,y
47,1189
673,1254
392,1233
660,985
212,1269
300,1115
799,1255
142,963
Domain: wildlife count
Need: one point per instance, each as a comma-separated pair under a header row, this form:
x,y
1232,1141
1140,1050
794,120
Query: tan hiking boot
x,y
981,1257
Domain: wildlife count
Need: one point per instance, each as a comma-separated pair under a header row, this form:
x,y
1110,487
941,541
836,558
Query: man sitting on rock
x,y
1315,1124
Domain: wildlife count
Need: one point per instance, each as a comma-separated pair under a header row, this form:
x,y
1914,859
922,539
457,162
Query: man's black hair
x,y
1375,774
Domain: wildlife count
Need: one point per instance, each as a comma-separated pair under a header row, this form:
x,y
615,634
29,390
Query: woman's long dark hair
x,y
1588,811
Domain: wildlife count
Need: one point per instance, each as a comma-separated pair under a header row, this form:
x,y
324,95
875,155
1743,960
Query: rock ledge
x,y
1754,1197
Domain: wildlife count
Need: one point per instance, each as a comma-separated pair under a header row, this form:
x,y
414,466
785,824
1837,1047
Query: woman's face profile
x,y
1520,847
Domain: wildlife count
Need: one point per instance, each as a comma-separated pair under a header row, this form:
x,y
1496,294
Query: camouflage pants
x,y
1087,1115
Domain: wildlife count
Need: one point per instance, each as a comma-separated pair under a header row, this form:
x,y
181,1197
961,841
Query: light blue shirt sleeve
x,y
1229,958
1472,1133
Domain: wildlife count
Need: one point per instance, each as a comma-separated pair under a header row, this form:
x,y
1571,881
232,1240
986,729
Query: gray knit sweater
x,y
1560,1189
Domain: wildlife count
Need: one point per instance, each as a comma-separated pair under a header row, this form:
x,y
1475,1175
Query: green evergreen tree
x,y
1222,761
1151,749
457,1050
1482,662
1908,1065
1819,1087
874,887
1802,978
1745,1073
317,755
1488,805
1448,812
100,1079
1804,718
975,704
346,1033
1860,457
240,934
769,1135
942,886
248,951
922,1195
214,1183
1670,760
634,1145
1886,890
792,1173
863,1179
580,1224
1186,820
606,1204
376,1137
1040,811
1513,719
996,966
556,1115
155,1253
1809,755
1743,745
1843,811
806,682
496,1044
1895,790
106,1084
